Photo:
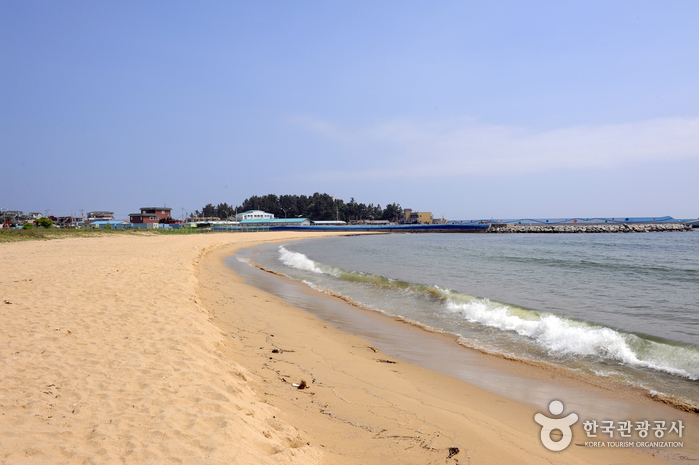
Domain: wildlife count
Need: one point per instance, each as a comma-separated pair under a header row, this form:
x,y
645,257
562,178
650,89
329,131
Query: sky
x,y
466,109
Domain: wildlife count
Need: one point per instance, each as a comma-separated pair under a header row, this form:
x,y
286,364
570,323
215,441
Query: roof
x,y
275,220
254,211
156,208
107,222
141,214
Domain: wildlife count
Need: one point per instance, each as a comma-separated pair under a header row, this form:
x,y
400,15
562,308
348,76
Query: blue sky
x,y
468,109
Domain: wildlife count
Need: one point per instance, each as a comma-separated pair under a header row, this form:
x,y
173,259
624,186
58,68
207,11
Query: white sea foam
x,y
298,261
315,287
301,262
561,336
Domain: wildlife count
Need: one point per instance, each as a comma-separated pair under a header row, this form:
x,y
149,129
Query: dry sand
x,y
148,349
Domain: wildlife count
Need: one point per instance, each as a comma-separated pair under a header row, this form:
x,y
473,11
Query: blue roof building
x,y
277,222
254,215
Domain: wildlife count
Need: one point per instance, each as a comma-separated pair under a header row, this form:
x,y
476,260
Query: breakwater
x,y
586,228
392,228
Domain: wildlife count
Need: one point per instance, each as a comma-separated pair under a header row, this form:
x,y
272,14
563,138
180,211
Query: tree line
x,y
317,207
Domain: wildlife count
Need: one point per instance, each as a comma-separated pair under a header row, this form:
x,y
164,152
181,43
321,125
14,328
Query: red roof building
x,y
150,215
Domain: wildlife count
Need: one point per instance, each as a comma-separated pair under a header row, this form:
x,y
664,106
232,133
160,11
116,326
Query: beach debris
x,y
385,361
372,349
303,385
281,351
452,452
8,302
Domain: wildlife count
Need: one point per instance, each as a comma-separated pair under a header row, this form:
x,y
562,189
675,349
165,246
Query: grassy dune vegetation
x,y
41,234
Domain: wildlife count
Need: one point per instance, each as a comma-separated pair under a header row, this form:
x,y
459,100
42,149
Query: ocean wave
x,y
557,335
300,261
562,336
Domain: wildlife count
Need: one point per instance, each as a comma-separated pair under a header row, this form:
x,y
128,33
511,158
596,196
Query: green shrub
x,y
27,226
43,222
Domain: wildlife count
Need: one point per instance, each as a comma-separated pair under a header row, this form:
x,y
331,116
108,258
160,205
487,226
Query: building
x,y
276,222
150,215
330,223
107,224
14,215
412,217
377,222
100,216
254,215
65,221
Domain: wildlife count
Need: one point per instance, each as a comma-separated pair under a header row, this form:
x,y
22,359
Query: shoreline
x,y
369,364
295,286
121,349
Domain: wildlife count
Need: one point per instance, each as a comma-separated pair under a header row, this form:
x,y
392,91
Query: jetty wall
x,y
588,228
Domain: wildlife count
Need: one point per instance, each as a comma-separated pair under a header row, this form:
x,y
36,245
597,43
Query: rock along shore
x,y
587,228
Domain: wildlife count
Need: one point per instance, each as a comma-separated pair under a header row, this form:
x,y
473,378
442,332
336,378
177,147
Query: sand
x,y
148,349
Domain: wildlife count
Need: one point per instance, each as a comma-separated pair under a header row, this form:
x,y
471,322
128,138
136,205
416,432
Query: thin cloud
x,y
447,148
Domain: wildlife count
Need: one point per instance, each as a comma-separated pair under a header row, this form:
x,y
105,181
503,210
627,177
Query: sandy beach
x,y
148,349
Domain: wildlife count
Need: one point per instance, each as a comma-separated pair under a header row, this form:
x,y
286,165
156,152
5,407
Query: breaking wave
x,y
302,262
561,336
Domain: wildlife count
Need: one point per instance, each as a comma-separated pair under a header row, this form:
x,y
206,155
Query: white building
x,y
100,216
254,215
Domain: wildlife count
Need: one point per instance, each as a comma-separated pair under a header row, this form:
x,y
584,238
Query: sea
x,y
616,308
